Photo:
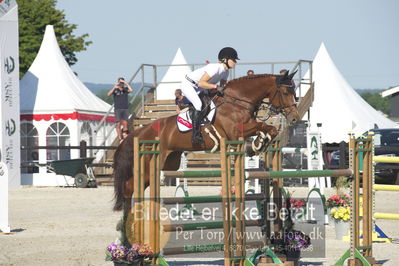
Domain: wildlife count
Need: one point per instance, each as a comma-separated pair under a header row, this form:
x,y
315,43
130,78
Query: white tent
x,y
57,109
337,105
174,75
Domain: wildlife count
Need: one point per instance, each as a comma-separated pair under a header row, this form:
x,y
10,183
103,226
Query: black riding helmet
x,y
228,53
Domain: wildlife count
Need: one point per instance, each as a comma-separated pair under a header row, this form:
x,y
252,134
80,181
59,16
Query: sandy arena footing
x,y
72,226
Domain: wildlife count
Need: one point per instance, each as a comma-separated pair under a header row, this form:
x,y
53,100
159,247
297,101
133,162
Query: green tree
x,y
377,101
102,94
34,15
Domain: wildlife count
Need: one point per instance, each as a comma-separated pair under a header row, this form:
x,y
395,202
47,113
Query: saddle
x,y
184,122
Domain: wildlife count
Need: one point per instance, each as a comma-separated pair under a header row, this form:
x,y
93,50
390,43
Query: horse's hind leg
x,y
170,161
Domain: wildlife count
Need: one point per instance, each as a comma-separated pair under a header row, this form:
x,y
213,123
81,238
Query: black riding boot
x,y
196,117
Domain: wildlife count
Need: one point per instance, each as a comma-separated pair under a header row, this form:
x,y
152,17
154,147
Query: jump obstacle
x,y
356,146
376,187
234,253
144,148
361,169
380,215
312,151
361,151
378,234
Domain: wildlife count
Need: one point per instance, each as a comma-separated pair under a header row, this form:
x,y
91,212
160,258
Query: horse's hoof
x,y
261,142
257,143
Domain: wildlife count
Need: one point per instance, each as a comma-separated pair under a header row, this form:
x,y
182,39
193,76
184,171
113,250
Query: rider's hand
x,y
220,90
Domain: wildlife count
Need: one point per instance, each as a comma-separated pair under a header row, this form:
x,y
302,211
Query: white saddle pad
x,y
184,122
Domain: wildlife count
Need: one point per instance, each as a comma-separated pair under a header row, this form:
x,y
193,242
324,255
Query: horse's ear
x,y
285,75
290,76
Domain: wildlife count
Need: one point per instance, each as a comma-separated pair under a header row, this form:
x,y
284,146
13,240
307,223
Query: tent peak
x,y
51,85
337,105
173,76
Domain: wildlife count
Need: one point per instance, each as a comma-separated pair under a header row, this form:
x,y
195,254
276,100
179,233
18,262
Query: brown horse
x,y
235,117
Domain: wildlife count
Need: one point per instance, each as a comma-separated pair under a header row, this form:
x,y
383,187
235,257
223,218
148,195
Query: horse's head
x,y
283,101
249,92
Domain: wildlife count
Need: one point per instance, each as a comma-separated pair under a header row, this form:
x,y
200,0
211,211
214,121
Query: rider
x,y
206,78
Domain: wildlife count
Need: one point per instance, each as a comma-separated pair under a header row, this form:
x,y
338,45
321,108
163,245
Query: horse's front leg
x,y
265,134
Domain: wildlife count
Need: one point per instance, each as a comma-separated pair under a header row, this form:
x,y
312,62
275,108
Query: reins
x,y
255,105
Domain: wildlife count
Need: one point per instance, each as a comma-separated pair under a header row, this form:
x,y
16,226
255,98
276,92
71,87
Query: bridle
x,y
282,108
256,106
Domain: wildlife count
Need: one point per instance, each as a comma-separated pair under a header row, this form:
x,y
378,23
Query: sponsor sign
x,y
10,176
315,159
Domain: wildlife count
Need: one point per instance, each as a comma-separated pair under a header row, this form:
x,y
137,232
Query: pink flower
x,y
136,247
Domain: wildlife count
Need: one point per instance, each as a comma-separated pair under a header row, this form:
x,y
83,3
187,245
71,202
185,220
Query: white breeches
x,y
190,93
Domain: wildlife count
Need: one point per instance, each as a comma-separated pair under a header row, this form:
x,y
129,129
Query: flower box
x,y
128,256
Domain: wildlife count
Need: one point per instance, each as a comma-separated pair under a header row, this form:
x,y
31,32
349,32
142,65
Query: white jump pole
x,y
291,150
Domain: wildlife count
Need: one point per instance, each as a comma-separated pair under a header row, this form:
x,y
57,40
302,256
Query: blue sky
x,y
360,35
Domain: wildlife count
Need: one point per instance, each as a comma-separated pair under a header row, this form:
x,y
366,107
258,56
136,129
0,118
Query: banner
x,y
10,174
315,160
3,199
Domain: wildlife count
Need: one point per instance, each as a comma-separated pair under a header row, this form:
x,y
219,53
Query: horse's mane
x,y
251,77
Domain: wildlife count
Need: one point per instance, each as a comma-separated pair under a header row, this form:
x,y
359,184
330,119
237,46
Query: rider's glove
x,y
220,90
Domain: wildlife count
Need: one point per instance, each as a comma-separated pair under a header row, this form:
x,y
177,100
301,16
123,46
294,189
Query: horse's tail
x,y
123,170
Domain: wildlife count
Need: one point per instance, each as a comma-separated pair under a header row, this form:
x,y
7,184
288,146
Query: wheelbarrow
x,y
78,168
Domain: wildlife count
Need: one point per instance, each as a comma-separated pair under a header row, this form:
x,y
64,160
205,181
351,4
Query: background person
x,y
181,101
121,104
250,72
206,78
